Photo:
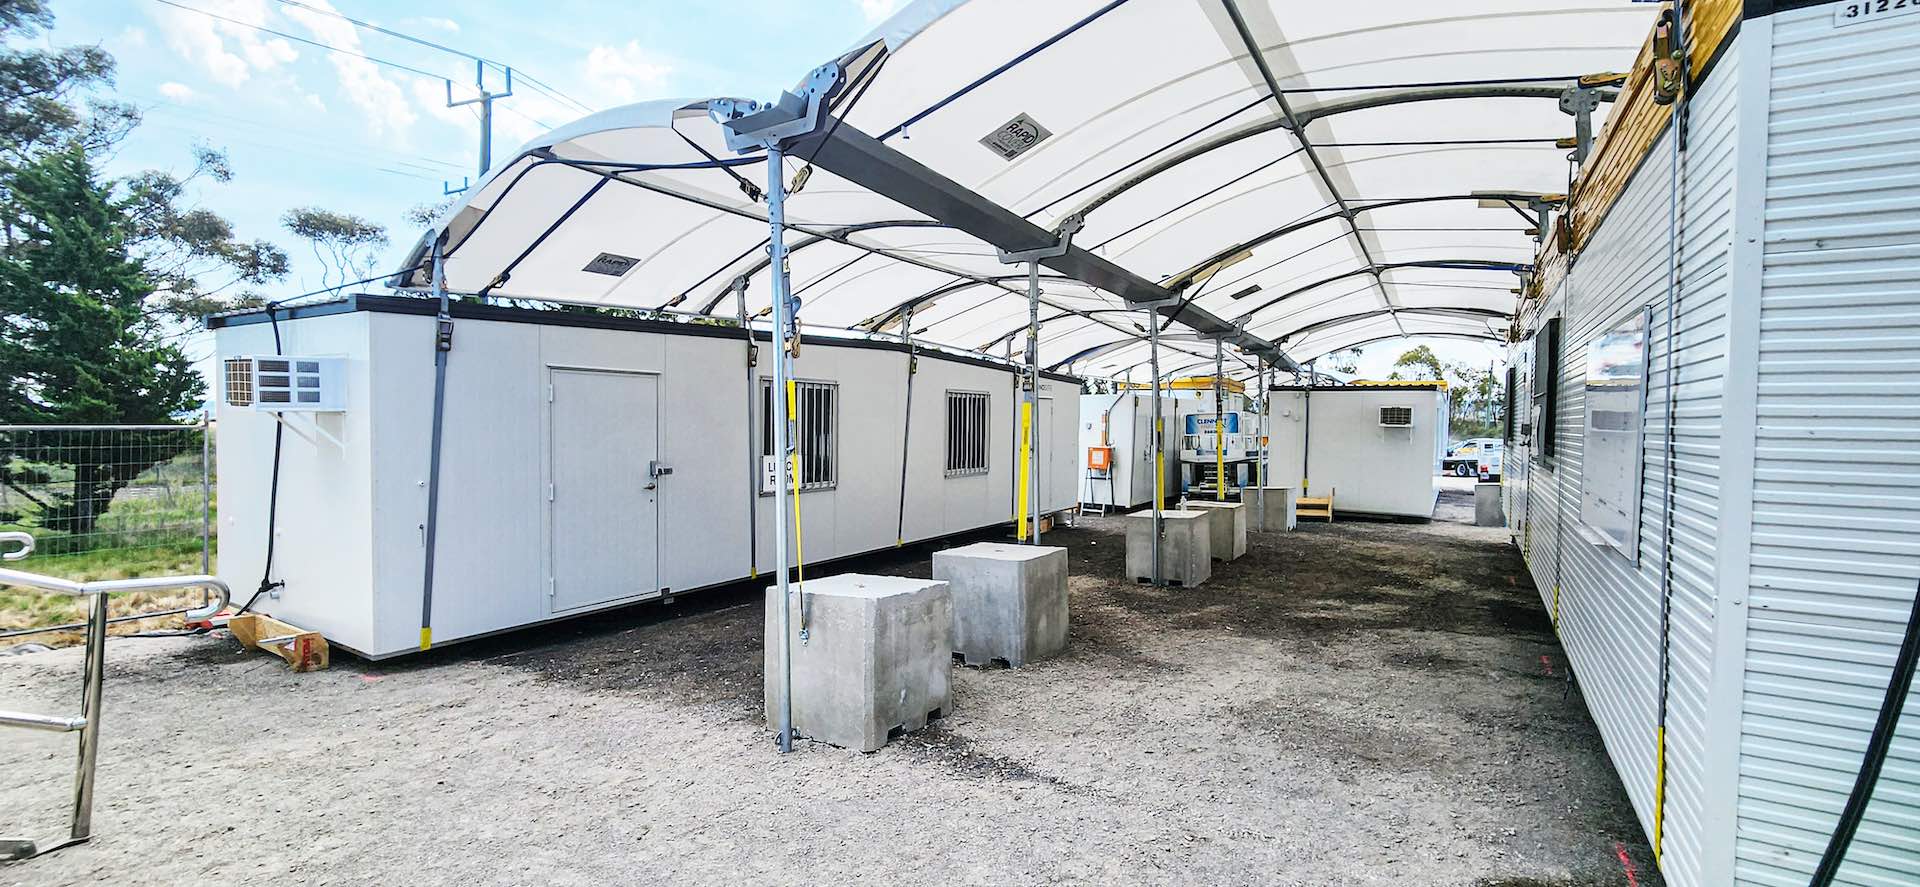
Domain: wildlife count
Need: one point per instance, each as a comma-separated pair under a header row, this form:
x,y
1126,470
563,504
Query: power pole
x,y
485,101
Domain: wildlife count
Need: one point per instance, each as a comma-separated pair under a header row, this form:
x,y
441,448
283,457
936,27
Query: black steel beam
x,y
845,151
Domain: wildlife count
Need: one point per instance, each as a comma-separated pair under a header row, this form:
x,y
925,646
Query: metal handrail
x,y
25,540
88,723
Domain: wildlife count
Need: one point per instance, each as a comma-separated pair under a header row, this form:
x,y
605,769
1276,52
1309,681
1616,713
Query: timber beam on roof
x,y
842,149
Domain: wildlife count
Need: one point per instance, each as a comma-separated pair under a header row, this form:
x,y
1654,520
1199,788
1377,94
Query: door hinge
x,y
549,392
550,591
549,492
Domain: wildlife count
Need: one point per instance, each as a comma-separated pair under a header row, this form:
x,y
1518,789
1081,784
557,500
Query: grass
x,y
26,608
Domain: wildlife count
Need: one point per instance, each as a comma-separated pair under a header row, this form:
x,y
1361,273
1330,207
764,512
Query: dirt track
x,y
1356,703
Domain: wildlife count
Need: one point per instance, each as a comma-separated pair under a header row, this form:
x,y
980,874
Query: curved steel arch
x,y
1454,264
1266,237
1477,337
1466,313
835,235
1308,115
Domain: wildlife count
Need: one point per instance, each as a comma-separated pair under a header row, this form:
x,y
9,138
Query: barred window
x,y
1396,417
816,411
966,433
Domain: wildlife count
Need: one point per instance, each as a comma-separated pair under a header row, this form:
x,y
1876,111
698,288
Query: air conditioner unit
x,y
286,383
1396,417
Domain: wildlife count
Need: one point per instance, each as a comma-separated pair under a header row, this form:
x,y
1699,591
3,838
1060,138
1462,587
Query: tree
x,y
76,338
346,245
1475,397
98,277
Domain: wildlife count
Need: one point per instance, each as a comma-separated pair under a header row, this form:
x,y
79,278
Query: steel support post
x,y
1260,466
785,329
1030,378
1219,422
442,345
1159,435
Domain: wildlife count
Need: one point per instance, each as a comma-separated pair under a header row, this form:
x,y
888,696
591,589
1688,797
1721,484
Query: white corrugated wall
x,y
1609,604
1835,547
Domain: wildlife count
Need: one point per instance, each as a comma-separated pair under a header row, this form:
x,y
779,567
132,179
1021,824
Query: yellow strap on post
x,y
793,471
1160,463
1220,457
1659,789
426,637
1026,444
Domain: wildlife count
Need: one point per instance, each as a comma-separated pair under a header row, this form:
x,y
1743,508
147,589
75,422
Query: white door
x,y
603,507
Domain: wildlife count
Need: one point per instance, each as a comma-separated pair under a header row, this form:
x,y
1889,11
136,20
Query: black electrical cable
x,y
1876,755
273,487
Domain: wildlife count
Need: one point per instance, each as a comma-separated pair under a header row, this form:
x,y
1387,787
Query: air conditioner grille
x,y
1398,417
239,372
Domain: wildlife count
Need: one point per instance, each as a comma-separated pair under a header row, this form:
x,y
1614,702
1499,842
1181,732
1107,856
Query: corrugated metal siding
x,y
1609,605
1836,515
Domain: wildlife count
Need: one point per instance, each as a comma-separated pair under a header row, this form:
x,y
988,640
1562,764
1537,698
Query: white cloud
x,y
388,113
626,73
230,52
435,22
177,92
876,10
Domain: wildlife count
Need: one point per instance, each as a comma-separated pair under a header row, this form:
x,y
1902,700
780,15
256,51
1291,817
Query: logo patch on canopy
x,y
1015,137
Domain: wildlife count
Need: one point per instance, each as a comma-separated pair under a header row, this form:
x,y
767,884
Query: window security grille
x,y
816,409
966,433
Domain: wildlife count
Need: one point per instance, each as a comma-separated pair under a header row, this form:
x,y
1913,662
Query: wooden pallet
x,y
303,650
1314,506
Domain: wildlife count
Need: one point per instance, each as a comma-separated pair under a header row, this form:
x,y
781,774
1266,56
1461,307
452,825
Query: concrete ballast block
x,y
1273,509
1227,528
1009,601
1186,556
876,657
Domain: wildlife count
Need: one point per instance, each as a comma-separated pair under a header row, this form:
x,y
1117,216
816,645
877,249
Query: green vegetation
x,y
1476,397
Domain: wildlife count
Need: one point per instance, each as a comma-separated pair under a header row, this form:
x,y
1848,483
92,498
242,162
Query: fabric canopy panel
x,y
1382,192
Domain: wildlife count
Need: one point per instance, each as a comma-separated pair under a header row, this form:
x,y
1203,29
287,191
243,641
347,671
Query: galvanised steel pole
x,y
92,682
783,325
1159,433
1032,418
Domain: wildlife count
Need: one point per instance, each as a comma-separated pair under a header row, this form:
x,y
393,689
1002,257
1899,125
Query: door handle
x,y
651,486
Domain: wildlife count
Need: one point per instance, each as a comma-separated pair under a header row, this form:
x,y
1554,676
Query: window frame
x,y
830,435
977,427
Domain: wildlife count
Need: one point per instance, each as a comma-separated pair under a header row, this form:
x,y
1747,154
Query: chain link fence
x,y
105,502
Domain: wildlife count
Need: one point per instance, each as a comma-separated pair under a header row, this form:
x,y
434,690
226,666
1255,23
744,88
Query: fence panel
x,y
105,502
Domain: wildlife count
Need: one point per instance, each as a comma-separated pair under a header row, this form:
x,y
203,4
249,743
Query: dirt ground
x,y
1355,703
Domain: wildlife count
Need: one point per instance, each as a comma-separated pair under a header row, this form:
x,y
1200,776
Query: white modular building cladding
x,y
547,507
1337,440
1835,537
1794,388
1605,599
1124,421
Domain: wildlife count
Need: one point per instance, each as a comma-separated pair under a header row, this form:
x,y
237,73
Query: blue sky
x,y
304,126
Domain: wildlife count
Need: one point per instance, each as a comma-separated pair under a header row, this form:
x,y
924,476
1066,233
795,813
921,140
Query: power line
x,y
298,39
538,85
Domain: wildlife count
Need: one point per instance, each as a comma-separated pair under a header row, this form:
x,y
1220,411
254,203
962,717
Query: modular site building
x,y
588,461
1116,450
1066,181
1375,448
1714,461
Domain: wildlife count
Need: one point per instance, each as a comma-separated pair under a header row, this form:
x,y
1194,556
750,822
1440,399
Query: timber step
x,y
1315,506
303,650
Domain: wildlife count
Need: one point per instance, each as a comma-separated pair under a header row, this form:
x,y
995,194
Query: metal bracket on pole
x,y
1030,387
751,125
1581,101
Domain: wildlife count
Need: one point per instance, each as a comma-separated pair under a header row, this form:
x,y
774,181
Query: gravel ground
x,y
1352,704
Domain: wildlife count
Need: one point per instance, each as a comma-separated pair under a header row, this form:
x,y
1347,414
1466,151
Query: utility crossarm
x,y
842,149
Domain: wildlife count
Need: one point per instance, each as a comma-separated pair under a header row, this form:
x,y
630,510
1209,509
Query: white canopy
x,y
1161,132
